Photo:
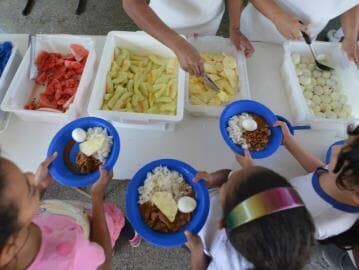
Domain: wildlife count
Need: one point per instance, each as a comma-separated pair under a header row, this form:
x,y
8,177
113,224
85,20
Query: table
x,y
196,140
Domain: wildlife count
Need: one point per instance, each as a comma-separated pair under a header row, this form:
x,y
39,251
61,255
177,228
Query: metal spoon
x,y
321,66
211,83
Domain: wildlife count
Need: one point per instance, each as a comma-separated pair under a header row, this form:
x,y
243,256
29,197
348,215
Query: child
x,y
53,241
264,222
331,193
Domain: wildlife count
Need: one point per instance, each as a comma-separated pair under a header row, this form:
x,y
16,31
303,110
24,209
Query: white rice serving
x,y
163,179
103,153
235,129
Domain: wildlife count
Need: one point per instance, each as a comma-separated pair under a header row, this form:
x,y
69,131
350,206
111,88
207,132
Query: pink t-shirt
x,y
63,246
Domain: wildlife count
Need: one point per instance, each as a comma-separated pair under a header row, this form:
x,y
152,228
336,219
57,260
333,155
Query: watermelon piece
x,y
73,64
45,102
41,60
41,78
78,51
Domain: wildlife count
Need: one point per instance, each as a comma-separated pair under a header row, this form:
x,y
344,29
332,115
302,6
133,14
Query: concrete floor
x,y
100,17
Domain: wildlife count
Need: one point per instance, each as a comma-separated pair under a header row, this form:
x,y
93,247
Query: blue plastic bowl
x,y
250,106
329,151
58,169
199,216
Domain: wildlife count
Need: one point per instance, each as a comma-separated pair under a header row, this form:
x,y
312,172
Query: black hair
x,y
282,240
346,240
348,160
8,211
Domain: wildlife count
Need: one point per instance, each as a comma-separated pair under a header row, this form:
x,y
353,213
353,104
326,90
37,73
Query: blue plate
x,y
329,151
250,106
58,169
199,216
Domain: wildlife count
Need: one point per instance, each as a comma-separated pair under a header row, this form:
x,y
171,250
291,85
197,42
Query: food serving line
x,y
195,140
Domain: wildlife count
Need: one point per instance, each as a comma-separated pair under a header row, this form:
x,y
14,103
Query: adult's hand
x,y
350,46
189,58
289,26
241,42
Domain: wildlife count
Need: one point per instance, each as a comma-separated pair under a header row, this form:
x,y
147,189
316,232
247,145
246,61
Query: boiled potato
x,y
141,83
222,69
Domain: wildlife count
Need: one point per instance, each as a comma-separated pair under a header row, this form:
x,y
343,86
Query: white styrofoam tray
x,y
21,86
346,72
5,80
215,44
142,44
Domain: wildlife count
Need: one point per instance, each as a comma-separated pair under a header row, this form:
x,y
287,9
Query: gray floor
x,y
100,17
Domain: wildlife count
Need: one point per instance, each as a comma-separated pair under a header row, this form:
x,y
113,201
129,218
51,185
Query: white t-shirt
x,y
190,16
216,244
316,13
330,216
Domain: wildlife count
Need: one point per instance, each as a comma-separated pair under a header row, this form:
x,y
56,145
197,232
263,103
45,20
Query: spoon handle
x,y
307,38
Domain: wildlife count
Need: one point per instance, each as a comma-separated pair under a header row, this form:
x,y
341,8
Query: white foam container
x,y
5,80
21,86
345,70
142,44
215,44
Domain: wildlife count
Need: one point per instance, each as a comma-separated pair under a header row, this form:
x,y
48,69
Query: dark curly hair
x,y
8,211
282,240
348,160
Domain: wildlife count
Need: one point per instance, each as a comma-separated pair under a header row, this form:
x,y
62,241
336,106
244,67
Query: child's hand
x,y
289,26
98,189
194,242
241,42
206,177
42,177
287,136
245,161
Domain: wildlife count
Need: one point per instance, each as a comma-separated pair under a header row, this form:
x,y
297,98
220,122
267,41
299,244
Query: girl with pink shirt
x,y
57,235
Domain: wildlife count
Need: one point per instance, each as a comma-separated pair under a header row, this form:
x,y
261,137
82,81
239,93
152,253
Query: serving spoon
x,y
308,40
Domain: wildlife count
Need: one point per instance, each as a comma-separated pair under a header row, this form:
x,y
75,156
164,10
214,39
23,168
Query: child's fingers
x,y
247,153
48,160
188,235
201,176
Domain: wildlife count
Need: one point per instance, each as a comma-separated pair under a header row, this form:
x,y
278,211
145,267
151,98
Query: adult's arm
x,y
287,24
146,19
235,8
350,26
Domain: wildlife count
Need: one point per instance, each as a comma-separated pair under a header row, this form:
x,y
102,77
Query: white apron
x,y
190,16
316,13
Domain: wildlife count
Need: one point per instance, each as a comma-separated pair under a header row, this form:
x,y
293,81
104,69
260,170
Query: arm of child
x,y
215,179
99,232
350,25
146,19
288,25
195,245
308,161
42,177
238,39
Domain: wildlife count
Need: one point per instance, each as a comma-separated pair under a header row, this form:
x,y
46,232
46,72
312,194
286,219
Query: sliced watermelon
x,y
78,51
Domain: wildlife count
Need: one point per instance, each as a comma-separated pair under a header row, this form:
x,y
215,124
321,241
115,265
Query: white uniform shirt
x,y
316,13
216,244
190,16
330,216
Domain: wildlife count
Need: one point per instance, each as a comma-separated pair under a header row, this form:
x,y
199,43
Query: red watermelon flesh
x,y
60,75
